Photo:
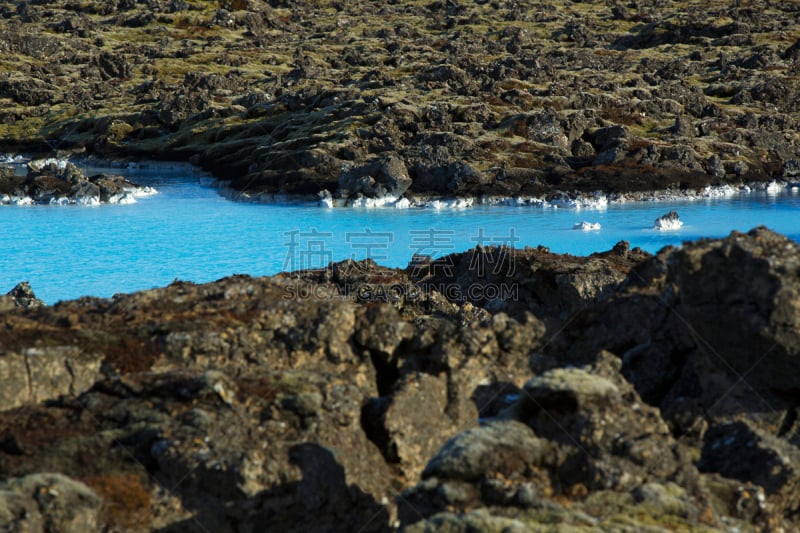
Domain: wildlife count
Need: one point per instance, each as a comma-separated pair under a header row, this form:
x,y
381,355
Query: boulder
x,y
610,144
683,127
740,451
479,520
381,330
531,280
386,176
669,221
497,446
20,296
39,374
415,421
114,66
709,333
571,433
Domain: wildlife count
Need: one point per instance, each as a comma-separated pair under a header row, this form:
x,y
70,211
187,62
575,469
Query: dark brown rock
x,y
20,296
564,436
350,395
739,451
418,91
417,419
385,177
56,182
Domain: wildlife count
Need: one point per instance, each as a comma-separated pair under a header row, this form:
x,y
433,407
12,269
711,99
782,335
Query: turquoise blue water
x,y
189,232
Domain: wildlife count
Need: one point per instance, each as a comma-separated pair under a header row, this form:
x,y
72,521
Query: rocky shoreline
x,y
59,182
116,189
615,392
442,99
490,390
558,199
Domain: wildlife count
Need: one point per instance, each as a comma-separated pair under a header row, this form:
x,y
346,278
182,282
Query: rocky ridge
x,y
615,392
444,98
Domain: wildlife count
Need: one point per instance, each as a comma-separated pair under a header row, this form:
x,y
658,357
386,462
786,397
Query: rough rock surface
x,y
20,296
474,98
48,502
386,177
578,435
638,393
57,182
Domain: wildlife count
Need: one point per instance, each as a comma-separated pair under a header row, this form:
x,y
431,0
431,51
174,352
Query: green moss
x,y
187,42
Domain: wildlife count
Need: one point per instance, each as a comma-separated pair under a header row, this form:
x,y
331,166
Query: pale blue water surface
x,y
189,232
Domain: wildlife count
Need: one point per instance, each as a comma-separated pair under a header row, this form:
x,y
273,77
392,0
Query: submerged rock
x,y
587,226
669,221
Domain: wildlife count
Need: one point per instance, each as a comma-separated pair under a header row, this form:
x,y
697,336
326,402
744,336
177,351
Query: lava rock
x,y
21,296
49,502
380,178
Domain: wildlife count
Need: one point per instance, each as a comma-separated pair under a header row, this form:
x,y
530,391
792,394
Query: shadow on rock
x,y
320,501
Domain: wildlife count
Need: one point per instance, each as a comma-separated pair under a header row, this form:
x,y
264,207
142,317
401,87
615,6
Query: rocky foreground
x,y
615,392
439,98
